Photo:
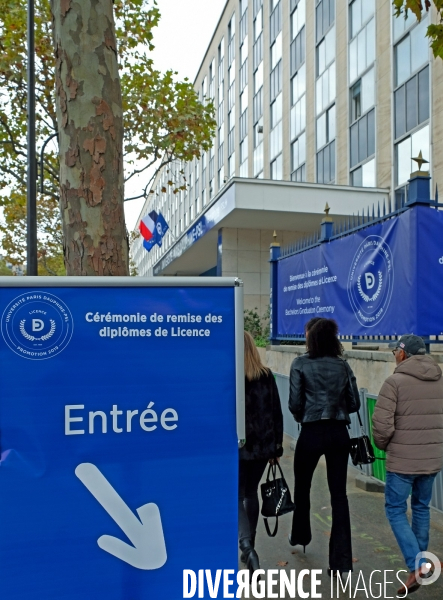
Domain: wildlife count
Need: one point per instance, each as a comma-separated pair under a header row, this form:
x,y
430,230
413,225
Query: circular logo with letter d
x,y
37,325
371,280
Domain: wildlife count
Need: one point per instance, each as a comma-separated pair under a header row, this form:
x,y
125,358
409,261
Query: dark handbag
x,y
276,497
362,452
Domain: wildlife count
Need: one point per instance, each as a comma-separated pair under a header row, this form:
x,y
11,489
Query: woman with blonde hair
x,y
264,437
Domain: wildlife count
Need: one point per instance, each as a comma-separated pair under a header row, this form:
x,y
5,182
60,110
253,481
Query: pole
x,y
275,252
31,205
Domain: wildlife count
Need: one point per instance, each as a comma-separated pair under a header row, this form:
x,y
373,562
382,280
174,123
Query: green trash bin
x,y
379,466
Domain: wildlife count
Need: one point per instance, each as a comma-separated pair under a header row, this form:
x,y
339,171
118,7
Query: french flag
x,y
147,225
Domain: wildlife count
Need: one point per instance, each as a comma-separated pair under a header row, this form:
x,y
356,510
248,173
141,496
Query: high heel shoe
x,y
250,556
291,543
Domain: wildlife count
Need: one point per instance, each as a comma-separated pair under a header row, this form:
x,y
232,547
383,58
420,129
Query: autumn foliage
x,y
162,119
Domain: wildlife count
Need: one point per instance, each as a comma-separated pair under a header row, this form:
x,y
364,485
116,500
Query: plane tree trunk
x,y
90,127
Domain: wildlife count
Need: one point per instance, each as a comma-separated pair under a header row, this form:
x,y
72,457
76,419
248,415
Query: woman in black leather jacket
x,y
323,392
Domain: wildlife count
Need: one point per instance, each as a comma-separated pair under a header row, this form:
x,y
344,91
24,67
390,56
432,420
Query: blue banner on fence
x,y
118,441
382,280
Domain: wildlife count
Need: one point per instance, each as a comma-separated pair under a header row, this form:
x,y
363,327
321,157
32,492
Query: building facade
x,y
335,92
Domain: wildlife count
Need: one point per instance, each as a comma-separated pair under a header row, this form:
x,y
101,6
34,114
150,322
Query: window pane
x,y
356,102
320,178
302,80
278,109
301,9
330,46
293,122
326,166
244,100
302,148
400,107
361,51
352,60
403,60
319,21
411,103
258,78
321,131
370,42
297,118
258,24
244,150
331,123
356,17
331,72
419,46
354,144
331,11
321,58
326,95
368,91
276,51
332,161
420,142
423,95
368,9
356,177
402,24
298,18
368,174
403,161
371,133
244,51
231,73
362,139
326,19
318,95
295,156
302,113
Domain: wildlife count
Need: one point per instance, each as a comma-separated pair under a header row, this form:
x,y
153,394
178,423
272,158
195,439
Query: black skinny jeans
x,y
249,474
331,438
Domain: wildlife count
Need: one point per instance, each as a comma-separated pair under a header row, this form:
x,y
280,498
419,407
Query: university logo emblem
x,y
371,280
37,325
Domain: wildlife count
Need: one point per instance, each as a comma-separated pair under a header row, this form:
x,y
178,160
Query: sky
x,y
180,40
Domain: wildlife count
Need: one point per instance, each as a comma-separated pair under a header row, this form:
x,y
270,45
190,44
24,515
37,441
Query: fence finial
x,y
327,225
420,161
275,243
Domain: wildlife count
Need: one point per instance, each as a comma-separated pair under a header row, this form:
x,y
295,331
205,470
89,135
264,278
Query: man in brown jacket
x,y
408,424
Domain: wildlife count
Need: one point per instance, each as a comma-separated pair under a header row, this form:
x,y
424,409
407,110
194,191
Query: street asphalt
x,y
374,545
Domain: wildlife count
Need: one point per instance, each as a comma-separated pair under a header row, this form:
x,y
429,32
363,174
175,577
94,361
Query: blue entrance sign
x,y
119,447
383,280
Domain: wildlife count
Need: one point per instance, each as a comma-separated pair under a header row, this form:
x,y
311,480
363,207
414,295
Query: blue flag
x,y
160,229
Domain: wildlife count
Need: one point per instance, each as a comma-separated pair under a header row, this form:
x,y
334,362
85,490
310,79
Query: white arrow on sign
x,y
148,550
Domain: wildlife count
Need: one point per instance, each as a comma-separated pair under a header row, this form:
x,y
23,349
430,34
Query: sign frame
x,y
237,340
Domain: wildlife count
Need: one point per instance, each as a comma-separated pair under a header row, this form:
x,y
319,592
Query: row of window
x,y
411,97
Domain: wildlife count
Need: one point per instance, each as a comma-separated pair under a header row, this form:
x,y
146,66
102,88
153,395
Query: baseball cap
x,y
411,344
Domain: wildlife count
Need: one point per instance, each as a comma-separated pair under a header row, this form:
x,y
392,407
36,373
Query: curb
x,y
369,484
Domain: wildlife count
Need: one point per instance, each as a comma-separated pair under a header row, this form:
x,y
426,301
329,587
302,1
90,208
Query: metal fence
x,y
376,470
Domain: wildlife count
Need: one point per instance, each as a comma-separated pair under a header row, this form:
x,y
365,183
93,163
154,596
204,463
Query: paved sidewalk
x,y
374,546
